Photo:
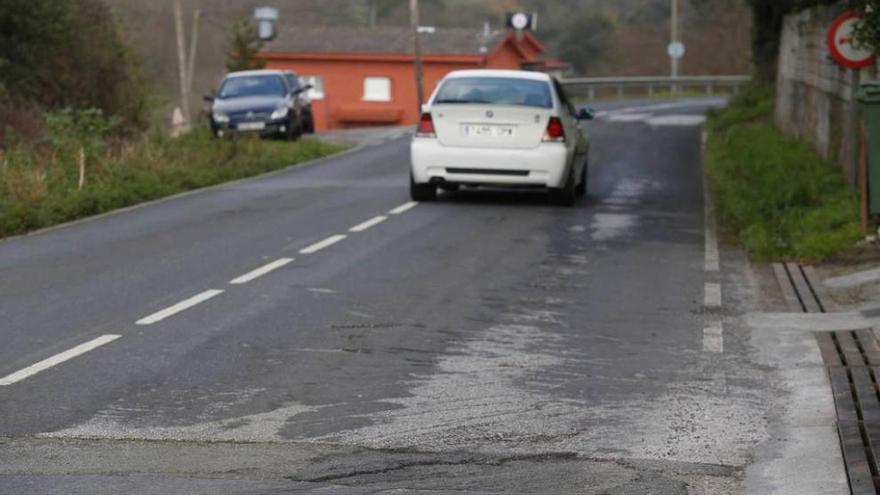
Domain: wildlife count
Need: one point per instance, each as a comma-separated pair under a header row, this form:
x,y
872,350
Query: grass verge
x,y
40,185
775,193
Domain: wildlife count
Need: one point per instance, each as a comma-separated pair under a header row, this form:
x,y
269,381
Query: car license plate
x,y
251,126
483,130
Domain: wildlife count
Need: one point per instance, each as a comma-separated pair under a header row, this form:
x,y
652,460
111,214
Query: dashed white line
x,y
177,308
314,248
259,272
368,224
403,208
712,295
713,338
712,260
57,359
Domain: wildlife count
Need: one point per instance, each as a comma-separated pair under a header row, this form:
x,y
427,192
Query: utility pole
x,y
372,14
193,46
181,59
417,51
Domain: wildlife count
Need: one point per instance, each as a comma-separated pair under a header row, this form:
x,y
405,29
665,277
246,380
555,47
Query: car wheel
x,y
450,188
294,130
564,196
422,192
581,189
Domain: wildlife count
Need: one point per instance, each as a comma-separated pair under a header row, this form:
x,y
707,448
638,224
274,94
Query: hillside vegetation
x,y
600,37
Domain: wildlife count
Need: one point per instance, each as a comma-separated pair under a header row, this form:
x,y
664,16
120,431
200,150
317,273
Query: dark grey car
x,y
261,102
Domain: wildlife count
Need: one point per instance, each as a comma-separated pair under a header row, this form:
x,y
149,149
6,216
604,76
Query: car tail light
x,y
426,126
555,132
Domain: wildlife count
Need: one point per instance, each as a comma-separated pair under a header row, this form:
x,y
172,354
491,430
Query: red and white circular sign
x,y
842,44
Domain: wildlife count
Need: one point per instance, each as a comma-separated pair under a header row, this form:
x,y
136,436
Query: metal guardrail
x,y
589,86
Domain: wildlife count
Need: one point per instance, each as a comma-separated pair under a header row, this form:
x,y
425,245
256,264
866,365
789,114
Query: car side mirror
x,y
586,114
301,89
209,98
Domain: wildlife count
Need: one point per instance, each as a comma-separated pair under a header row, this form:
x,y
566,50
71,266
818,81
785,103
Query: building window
x,y
377,89
317,82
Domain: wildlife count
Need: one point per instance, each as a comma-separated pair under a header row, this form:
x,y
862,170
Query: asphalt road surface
x,y
484,343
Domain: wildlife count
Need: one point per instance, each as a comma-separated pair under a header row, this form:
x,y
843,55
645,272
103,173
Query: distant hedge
x,y
69,53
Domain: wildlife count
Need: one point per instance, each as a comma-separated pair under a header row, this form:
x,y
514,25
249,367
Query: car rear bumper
x,y
544,166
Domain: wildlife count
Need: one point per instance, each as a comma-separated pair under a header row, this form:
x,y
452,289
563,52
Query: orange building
x,y
365,77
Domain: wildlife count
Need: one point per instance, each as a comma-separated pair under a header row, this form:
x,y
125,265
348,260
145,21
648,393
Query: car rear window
x,y
235,87
495,90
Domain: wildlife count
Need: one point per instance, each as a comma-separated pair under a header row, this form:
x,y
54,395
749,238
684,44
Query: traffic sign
x,y
520,21
675,49
842,44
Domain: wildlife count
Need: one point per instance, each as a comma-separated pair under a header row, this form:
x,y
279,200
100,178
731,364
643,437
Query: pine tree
x,y
243,45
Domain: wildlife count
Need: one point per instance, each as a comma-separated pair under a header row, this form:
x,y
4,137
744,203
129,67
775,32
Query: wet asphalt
x,y
484,343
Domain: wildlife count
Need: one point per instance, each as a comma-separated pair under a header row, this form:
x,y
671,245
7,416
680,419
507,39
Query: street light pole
x,y
417,52
674,38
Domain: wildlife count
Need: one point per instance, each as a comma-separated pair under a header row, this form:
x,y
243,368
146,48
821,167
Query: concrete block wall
x,y
813,93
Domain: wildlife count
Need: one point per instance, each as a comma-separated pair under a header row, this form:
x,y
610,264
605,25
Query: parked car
x,y
500,128
308,121
259,101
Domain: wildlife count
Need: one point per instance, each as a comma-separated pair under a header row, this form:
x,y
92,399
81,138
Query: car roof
x,y
262,72
515,74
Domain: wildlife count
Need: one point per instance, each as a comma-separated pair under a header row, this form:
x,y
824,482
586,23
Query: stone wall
x,y
813,93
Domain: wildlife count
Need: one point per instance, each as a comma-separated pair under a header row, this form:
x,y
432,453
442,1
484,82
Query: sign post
x,y
846,52
676,47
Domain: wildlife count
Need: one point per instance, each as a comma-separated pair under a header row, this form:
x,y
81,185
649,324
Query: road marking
x,y
259,272
368,224
712,295
57,359
177,308
713,260
628,117
677,120
404,208
713,338
314,248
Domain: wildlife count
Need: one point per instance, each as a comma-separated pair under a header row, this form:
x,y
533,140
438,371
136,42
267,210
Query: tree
x,y
243,45
585,40
768,17
868,31
69,54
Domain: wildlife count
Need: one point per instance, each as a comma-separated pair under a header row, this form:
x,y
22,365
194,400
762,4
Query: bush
x,y
775,193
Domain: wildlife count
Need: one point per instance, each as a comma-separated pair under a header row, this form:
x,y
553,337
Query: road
x,y
484,343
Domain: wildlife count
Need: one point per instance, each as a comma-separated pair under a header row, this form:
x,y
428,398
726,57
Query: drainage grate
x,y
852,359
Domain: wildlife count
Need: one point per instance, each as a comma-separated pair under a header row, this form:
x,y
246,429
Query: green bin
x,y
869,97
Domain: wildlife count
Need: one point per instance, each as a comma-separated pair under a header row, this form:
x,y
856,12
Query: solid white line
x,y
177,308
314,248
713,338
712,296
57,359
259,272
404,208
368,224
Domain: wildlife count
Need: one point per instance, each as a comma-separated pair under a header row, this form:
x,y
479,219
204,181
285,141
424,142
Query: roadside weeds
x,y
774,193
40,188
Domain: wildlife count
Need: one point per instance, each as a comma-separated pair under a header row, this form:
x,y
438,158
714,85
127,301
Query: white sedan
x,y
500,128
